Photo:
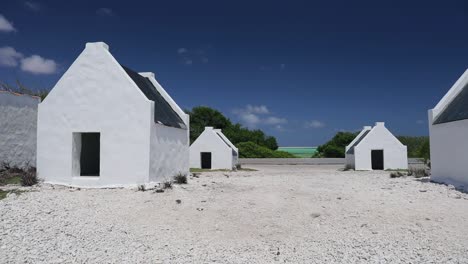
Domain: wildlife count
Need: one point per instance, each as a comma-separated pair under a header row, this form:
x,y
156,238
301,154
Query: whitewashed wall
x,y
18,124
169,152
349,158
395,153
95,95
208,141
448,142
449,159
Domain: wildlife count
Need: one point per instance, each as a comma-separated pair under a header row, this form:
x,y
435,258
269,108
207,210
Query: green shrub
x,y
29,177
335,148
418,172
203,116
252,150
418,147
180,179
397,174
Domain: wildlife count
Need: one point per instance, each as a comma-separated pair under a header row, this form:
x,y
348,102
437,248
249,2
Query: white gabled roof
x,y
366,131
151,77
454,105
357,139
225,139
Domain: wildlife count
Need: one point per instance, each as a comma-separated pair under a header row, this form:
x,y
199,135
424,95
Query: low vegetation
x,y
335,147
4,193
414,172
14,175
397,174
252,150
418,172
180,179
19,87
195,170
418,147
167,184
202,116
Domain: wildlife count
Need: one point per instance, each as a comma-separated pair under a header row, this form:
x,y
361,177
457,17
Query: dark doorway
x,y
206,160
90,154
377,159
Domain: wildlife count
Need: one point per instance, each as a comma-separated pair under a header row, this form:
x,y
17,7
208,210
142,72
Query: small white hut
x,y
376,149
213,150
18,129
105,125
448,131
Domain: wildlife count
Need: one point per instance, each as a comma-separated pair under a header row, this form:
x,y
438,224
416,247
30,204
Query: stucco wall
x,y
449,157
379,138
95,95
209,141
349,161
169,152
18,124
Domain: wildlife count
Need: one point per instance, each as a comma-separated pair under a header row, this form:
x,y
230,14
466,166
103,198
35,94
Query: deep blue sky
x,y
306,68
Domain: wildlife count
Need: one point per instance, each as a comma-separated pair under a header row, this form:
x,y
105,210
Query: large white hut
x,y
105,125
213,150
18,129
448,131
376,149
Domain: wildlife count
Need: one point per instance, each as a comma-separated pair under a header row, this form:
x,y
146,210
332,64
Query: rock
x,y
315,215
159,190
178,201
423,190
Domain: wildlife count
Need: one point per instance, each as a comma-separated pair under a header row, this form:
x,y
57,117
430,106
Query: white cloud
x,y
314,124
182,50
255,115
105,11
257,109
37,65
33,6
250,119
9,57
5,25
273,120
188,62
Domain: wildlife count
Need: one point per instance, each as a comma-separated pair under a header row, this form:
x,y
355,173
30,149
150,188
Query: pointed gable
x,y
454,105
163,112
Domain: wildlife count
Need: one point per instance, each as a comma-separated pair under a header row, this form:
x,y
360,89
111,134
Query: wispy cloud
x,y
182,50
273,120
314,124
420,122
38,65
192,56
5,25
105,11
9,57
33,6
35,64
255,115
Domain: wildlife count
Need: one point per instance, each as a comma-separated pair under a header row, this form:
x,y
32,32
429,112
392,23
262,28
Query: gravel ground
x,y
287,214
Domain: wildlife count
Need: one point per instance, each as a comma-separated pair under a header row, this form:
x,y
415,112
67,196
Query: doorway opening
x,y
377,159
86,154
206,160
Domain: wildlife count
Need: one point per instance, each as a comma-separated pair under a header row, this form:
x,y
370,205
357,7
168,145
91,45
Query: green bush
x,y
203,116
335,148
418,147
252,150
